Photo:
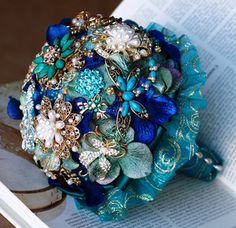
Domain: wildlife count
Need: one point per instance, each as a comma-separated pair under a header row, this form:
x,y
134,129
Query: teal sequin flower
x,y
88,83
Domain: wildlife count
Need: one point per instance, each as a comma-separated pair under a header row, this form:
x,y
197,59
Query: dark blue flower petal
x,y
113,109
66,21
56,31
145,130
131,23
172,51
26,86
151,91
157,35
37,85
84,125
69,189
13,109
160,109
77,108
37,97
81,33
93,62
93,193
142,80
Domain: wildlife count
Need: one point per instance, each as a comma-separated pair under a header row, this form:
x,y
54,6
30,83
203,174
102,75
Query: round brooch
x,y
110,111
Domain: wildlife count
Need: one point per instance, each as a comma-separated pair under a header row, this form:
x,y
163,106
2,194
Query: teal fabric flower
x,y
50,161
105,154
53,57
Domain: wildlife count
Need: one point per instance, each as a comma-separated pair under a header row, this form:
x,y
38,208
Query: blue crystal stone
x,y
125,108
128,96
136,106
121,82
153,74
131,83
152,62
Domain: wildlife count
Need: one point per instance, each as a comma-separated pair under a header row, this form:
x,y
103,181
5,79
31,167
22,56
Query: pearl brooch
x,y
56,127
122,38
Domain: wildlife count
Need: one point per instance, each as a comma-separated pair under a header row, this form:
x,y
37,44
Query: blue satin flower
x,y
93,62
92,191
160,109
171,50
66,21
13,109
56,32
84,126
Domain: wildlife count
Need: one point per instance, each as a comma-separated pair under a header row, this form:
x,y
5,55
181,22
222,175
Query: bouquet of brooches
x,y
110,112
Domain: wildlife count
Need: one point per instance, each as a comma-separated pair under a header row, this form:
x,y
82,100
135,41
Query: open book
x,y
186,202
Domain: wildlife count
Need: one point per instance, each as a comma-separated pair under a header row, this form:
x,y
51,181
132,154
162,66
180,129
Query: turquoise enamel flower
x,y
128,94
53,57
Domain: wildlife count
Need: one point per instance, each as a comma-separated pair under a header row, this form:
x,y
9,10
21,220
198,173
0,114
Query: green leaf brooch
x,y
110,112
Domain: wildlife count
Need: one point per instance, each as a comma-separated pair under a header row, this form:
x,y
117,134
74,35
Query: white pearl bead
x,y
57,115
74,21
60,124
121,46
143,52
54,81
127,36
135,42
60,96
38,106
69,181
109,40
75,149
78,117
70,121
48,144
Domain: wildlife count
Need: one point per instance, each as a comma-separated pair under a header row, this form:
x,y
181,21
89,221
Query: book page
x,y
211,25
186,202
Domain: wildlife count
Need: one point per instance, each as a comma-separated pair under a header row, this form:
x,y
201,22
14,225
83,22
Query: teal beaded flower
x,y
53,57
87,83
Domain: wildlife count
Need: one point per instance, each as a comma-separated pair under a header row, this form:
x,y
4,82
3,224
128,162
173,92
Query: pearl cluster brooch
x,y
121,38
56,127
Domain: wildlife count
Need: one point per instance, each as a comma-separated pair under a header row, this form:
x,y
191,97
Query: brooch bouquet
x,y
110,112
